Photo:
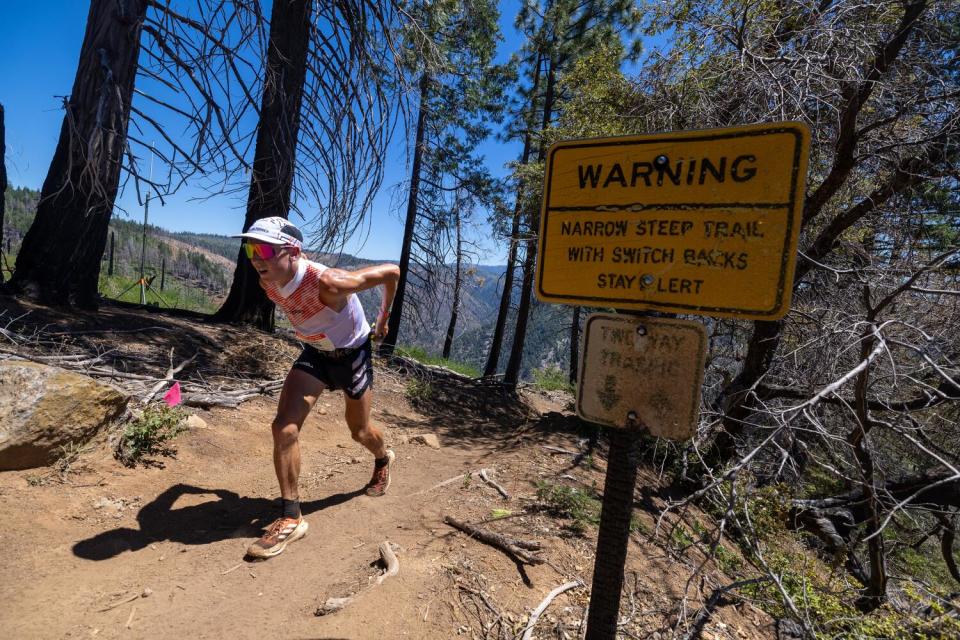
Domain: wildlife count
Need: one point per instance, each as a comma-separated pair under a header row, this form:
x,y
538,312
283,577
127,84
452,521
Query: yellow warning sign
x,y
702,222
650,367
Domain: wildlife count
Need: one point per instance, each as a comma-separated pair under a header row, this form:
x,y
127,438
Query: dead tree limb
x,y
528,631
493,483
168,377
511,547
392,568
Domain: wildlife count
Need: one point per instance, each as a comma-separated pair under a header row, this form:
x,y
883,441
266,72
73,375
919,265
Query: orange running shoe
x,y
279,534
380,481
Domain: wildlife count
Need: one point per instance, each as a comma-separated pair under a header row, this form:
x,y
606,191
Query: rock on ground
x,y
43,408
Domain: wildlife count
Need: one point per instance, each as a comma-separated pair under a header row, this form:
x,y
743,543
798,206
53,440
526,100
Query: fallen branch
x,y
168,377
528,631
559,450
513,548
230,399
471,474
486,478
117,604
133,610
392,568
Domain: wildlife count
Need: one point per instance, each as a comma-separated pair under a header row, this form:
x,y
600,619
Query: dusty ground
x,y
157,552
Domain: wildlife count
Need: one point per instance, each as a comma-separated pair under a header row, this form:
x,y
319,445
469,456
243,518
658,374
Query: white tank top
x,y
313,321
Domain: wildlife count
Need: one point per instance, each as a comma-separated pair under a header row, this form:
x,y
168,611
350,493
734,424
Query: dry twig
x,y
528,631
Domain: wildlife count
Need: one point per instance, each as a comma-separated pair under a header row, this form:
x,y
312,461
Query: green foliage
x,y
419,391
552,378
175,294
680,539
924,563
728,561
146,435
570,502
825,597
420,355
598,90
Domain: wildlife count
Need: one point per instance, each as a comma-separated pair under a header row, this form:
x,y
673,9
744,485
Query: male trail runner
x,y
325,312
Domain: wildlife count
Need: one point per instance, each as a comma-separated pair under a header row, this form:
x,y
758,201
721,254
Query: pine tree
x,y
458,87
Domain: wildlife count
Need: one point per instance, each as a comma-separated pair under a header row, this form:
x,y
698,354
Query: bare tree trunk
x,y
512,374
574,345
3,180
275,156
393,328
496,343
59,260
457,283
734,399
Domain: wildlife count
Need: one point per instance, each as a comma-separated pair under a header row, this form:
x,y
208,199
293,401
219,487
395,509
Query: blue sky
x,y
41,42
40,45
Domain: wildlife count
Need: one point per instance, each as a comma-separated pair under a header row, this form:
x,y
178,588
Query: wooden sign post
x,y
691,222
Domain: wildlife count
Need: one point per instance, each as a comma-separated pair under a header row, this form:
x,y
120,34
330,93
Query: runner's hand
x,y
380,328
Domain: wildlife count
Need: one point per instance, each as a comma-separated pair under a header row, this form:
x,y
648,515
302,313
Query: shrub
x,y
419,390
552,378
145,436
578,505
420,355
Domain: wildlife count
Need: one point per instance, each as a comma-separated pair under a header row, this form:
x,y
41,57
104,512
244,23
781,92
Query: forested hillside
x,y
197,269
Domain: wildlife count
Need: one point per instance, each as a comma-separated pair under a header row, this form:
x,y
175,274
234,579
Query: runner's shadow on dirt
x,y
231,516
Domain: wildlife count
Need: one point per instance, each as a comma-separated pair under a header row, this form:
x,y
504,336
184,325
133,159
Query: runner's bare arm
x,y
340,284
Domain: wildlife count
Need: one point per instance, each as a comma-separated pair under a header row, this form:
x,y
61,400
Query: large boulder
x,y
42,408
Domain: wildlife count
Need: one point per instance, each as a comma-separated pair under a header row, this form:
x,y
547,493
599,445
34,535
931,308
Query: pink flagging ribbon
x,y
172,396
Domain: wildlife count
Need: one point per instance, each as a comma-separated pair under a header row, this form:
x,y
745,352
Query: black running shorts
x,y
350,370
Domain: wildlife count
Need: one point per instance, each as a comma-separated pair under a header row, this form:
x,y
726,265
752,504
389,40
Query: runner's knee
x,y
285,432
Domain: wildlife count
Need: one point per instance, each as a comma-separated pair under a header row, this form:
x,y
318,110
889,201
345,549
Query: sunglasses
x,y
262,251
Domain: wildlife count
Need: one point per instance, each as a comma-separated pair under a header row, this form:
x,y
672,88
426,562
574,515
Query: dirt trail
x,y
108,533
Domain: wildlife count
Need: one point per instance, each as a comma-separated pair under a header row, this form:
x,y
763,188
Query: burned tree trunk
x,y
275,158
393,330
574,345
496,343
512,374
59,261
3,181
457,285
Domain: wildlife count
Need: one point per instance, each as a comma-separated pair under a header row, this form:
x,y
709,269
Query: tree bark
x,y
496,343
393,327
455,307
876,588
575,345
512,374
3,180
734,399
275,155
59,260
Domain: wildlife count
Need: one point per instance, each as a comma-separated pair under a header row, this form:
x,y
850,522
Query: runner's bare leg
x,y
357,415
299,394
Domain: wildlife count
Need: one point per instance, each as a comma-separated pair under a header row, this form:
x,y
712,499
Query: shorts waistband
x,y
338,353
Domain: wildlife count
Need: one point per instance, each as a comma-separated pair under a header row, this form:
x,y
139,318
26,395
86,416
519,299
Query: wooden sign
x,y
701,222
650,366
